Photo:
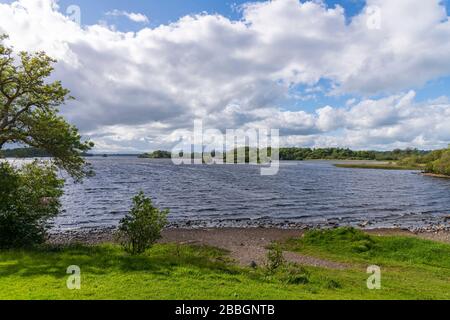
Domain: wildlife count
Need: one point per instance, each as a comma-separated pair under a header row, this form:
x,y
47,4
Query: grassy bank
x,y
384,166
411,269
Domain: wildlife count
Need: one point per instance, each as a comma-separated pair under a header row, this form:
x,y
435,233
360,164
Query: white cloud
x,y
136,17
134,90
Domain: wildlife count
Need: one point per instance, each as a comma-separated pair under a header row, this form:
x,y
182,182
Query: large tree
x,y
29,109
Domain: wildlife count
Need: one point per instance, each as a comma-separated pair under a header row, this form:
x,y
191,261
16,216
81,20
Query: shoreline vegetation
x,y
234,264
299,154
379,166
433,163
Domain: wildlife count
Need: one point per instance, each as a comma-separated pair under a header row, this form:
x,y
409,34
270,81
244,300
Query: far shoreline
x,y
434,175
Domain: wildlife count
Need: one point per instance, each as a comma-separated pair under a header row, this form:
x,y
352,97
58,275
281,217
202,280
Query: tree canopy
x,y
29,109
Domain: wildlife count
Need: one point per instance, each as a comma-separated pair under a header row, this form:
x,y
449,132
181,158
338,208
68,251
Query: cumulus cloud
x,y
140,91
136,17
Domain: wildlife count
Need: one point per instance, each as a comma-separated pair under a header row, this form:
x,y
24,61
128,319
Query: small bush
x,y
332,284
294,274
140,229
275,258
362,246
29,198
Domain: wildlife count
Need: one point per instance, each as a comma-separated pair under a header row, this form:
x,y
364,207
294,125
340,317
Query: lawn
x,y
411,269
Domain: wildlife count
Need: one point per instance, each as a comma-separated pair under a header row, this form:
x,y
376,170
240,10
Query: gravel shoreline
x,y
220,236
246,246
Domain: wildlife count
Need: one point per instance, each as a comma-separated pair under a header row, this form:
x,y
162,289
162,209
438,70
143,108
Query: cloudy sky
x,y
369,74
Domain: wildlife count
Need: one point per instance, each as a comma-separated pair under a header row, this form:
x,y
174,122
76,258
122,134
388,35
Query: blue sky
x,y
163,12
323,78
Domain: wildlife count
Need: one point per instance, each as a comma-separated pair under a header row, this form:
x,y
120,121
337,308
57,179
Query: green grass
x,y
411,269
376,166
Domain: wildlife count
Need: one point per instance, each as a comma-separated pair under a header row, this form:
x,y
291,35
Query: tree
x,y
29,102
29,197
29,110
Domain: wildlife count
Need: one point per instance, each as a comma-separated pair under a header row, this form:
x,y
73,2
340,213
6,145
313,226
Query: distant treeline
x,y
158,154
321,153
23,153
37,153
347,154
284,154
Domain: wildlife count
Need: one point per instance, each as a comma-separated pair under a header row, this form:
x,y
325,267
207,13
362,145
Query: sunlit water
x,y
302,193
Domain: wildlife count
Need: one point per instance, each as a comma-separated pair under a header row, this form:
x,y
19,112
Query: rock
x,y
363,224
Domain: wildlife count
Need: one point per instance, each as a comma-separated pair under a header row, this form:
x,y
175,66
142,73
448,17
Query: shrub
x,y
362,246
332,284
29,198
292,273
275,258
440,165
140,229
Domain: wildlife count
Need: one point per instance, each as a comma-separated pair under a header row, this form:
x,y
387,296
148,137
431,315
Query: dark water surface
x,y
311,192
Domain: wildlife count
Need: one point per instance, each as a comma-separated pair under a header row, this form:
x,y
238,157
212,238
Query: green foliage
x,y
29,197
158,154
275,258
291,273
389,166
332,284
24,153
351,244
346,154
174,271
29,110
343,234
437,162
440,163
140,229
356,240
245,154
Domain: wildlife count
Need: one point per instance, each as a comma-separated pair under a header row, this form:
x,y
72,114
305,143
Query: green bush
x,y
29,197
332,284
292,273
362,246
441,165
275,258
140,229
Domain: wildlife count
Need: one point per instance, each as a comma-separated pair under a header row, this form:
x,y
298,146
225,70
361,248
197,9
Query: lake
x,y
302,193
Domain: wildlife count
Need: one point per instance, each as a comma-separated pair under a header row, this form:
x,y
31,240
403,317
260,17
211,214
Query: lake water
x,y
302,193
